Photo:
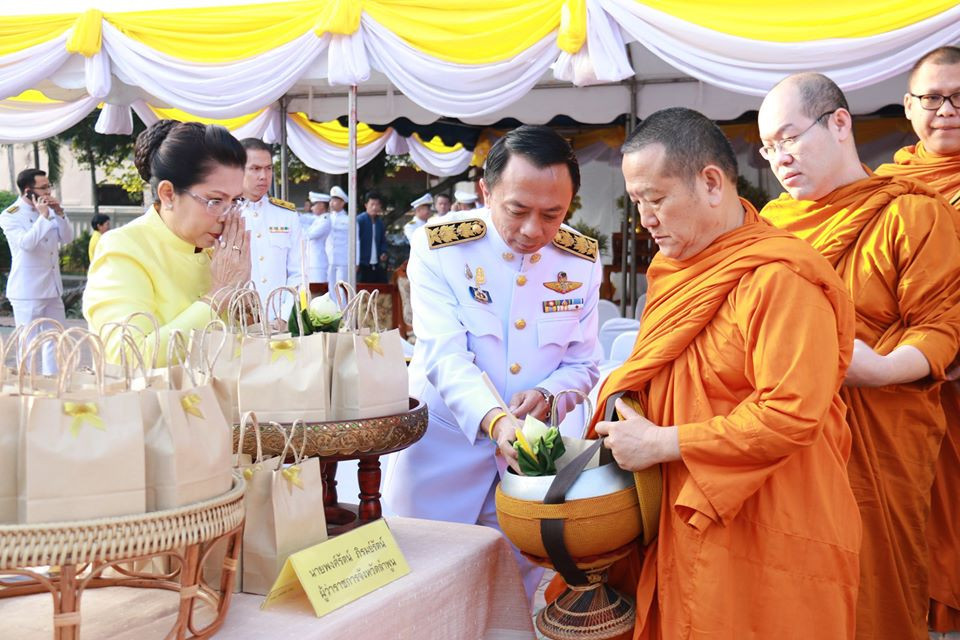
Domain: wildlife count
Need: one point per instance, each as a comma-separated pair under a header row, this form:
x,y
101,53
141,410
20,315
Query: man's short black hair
x,y
542,146
27,178
256,144
690,140
98,220
373,195
443,195
940,55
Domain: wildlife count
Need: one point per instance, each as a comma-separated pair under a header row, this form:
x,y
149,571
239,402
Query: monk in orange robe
x,y
933,107
894,243
743,347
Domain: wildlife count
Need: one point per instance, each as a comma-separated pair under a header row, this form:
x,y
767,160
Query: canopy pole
x,y
284,158
628,224
352,188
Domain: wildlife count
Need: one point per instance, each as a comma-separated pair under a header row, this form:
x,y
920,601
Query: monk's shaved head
x,y
691,141
817,93
940,55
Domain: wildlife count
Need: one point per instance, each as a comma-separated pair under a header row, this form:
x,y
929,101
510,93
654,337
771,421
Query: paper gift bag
x,y
188,442
81,453
284,514
9,434
283,378
369,370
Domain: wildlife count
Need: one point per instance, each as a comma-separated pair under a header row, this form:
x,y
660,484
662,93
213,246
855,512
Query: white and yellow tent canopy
x,y
420,59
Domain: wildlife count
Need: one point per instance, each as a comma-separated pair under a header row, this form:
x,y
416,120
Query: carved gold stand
x,y
364,440
88,554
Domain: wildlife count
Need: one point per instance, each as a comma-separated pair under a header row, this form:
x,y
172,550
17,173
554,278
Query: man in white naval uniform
x,y
421,212
275,233
507,291
337,250
316,228
35,227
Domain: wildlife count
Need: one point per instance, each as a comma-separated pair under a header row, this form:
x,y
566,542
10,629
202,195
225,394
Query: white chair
x,y
641,303
613,327
622,346
605,311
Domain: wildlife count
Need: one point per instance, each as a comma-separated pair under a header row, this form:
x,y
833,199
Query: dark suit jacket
x,y
364,229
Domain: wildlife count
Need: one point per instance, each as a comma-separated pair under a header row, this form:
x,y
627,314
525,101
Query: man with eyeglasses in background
x,y
35,227
932,105
275,231
895,244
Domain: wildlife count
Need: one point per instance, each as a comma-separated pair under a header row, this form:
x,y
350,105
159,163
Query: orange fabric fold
x,y
759,530
943,529
894,243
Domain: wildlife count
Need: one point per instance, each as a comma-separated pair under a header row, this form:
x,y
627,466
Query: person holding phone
x,y
35,226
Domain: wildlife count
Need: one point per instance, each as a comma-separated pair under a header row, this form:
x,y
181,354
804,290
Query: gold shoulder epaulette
x,y
13,209
283,203
576,243
447,235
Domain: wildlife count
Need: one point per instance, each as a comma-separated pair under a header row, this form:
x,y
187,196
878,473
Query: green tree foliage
x,y
111,154
75,257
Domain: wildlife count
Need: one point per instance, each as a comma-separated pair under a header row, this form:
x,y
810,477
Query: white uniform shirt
x,y
35,251
337,253
410,228
274,249
525,336
316,228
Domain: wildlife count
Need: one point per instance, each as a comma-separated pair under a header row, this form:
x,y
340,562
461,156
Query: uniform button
x,y
261,258
256,215
521,280
508,256
535,258
259,234
515,368
263,280
520,324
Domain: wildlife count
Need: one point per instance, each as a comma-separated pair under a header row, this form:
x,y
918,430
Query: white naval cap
x,y
337,192
318,197
424,199
465,197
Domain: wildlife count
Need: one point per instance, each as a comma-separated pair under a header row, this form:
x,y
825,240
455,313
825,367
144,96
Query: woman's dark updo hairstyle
x,y
185,153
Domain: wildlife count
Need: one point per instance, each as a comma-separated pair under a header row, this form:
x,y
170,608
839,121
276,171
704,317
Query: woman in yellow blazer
x,y
189,244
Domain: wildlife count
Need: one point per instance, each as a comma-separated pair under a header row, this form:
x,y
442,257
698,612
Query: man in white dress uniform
x,y
316,229
421,213
337,249
508,291
35,227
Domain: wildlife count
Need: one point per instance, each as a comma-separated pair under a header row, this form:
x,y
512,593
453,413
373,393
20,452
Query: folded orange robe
x,y
943,530
759,530
894,243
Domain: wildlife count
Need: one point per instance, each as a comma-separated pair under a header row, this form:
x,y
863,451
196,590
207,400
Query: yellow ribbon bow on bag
x,y
83,412
373,343
190,404
292,475
282,348
249,471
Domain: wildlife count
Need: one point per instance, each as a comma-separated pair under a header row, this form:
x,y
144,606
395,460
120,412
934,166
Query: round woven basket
x,y
117,538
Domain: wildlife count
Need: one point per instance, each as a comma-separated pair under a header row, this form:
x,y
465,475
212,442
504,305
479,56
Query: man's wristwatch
x,y
547,396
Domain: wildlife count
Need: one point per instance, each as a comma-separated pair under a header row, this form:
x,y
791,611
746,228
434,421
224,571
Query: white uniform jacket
x,y
275,235
316,228
526,320
35,251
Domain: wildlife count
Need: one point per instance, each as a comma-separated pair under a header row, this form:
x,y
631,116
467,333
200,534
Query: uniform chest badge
x,y
567,304
279,229
480,295
479,278
562,284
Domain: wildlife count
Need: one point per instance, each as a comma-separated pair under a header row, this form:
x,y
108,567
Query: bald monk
x,y
894,243
742,350
932,105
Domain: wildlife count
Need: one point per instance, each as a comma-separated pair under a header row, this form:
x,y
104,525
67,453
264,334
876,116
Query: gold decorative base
x,y
592,612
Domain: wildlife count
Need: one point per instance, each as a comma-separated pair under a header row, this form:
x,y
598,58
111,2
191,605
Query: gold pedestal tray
x,y
111,552
364,440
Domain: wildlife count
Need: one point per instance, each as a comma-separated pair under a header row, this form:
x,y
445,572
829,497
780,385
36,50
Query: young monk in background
x,y
932,105
894,243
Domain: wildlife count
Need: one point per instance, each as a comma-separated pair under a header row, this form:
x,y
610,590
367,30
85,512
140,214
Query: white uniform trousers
x,y
337,273
531,573
26,311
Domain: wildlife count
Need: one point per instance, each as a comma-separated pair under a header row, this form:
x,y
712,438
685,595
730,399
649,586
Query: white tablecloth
x,y
463,583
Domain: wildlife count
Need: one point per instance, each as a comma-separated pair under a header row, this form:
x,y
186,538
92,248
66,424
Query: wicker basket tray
x,y
113,551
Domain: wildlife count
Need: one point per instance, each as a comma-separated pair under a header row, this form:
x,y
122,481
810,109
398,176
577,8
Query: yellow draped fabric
x,y
335,133
436,145
183,116
32,95
458,31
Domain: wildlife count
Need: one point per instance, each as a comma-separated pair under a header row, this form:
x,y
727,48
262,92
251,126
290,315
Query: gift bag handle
x,y
275,302
207,363
288,442
249,416
96,354
177,345
26,358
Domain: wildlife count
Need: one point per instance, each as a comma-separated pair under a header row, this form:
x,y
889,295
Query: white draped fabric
x,y
26,69
29,121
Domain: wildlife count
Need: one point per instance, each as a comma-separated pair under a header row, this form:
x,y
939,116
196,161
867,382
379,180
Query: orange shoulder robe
x,y
943,529
894,243
759,529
